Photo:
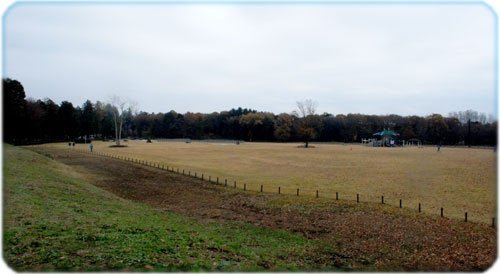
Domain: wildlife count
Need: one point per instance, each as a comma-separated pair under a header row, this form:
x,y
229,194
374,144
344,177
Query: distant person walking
x,y
91,147
439,148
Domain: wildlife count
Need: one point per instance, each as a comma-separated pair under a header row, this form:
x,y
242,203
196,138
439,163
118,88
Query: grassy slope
x,y
55,220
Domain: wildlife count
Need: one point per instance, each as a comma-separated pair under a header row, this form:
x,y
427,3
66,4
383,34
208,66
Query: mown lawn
x,y
55,220
458,179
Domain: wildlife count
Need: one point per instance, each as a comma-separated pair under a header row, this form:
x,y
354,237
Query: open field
x,y
458,179
73,211
56,220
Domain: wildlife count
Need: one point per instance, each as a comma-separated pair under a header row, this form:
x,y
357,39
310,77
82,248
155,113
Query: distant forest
x,y
27,121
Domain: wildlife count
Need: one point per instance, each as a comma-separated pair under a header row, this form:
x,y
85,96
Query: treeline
x,y
35,121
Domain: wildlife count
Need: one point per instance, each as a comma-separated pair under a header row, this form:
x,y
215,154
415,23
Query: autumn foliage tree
x,y
283,127
28,120
257,125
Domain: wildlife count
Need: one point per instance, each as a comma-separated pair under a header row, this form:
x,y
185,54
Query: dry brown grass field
x,y
457,179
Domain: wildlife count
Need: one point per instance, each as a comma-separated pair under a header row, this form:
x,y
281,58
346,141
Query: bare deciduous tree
x,y
119,106
473,116
307,109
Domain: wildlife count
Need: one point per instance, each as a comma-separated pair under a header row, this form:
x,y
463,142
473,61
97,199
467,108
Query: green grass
x,y
55,220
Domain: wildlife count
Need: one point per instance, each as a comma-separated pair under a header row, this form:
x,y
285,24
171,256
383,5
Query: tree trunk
x,y
117,141
120,130
117,131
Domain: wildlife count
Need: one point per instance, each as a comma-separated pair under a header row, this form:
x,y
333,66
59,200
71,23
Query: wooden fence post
x,y
336,196
317,194
400,203
466,216
382,199
419,207
442,212
279,190
261,188
357,198
297,192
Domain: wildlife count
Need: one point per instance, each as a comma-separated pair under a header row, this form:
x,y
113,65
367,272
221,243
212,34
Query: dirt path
x,y
359,234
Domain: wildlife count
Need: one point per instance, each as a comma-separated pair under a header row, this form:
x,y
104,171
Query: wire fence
x,y
255,187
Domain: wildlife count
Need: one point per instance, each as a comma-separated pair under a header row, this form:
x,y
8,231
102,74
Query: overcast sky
x,y
406,59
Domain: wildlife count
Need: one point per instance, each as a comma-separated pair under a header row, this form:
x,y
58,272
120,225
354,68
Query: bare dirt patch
x,y
360,235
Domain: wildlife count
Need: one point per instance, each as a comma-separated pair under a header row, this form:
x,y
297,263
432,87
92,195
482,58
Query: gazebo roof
x,y
386,132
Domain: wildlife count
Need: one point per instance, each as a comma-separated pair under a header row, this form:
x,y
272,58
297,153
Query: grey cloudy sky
x,y
350,58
